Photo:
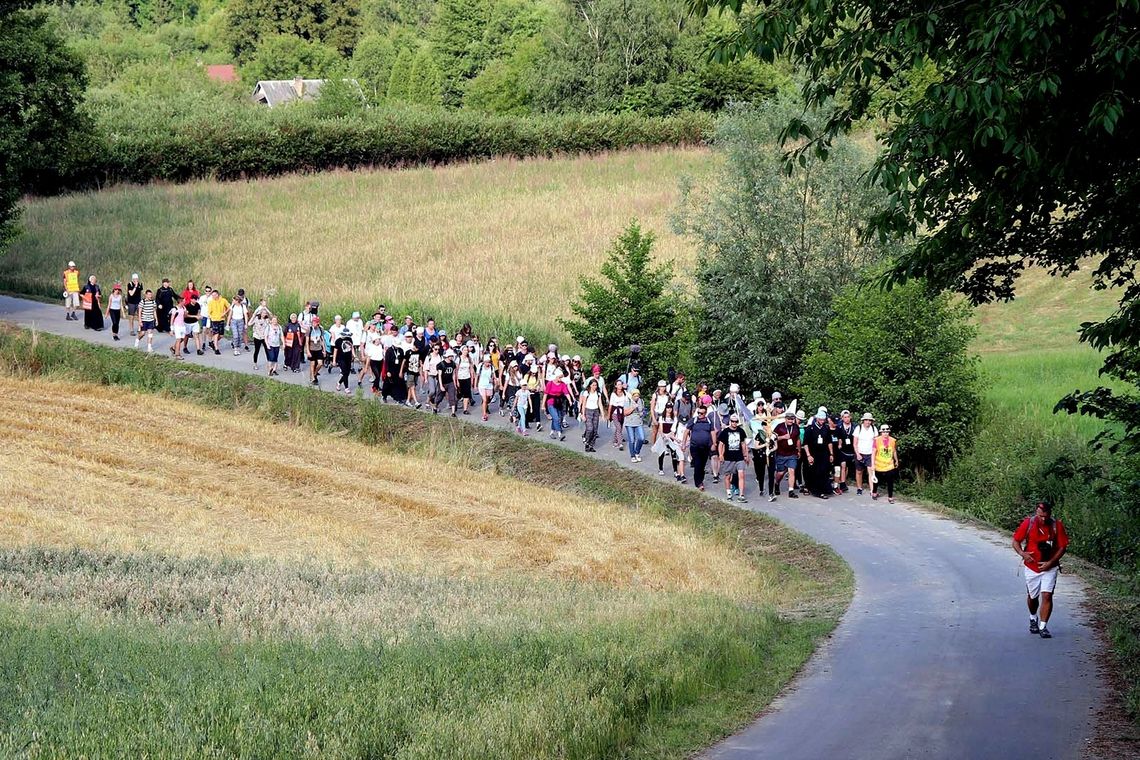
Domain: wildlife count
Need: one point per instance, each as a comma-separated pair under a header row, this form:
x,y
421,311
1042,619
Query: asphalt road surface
x,y
933,659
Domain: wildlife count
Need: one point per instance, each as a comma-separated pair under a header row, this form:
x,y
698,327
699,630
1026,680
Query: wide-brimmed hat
x,y
867,416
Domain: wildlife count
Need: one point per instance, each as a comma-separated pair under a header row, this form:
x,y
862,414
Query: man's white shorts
x,y
195,329
1035,583
70,300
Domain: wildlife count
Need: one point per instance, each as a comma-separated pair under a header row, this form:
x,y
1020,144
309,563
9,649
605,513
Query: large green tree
x,y
332,22
634,302
41,88
1021,152
775,246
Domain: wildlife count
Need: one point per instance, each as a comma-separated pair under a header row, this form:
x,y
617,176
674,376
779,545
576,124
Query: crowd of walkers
x,y
697,430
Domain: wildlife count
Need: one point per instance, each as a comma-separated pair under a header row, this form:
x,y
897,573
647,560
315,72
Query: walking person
x,y
845,449
148,320
315,347
787,435
178,329
71,287
631,424
464,372
115,309
701,438
274,338
135,292
616,414
447,370
91,298
258,325
734,457
218,312
886,462
667,426
864,441
1040,541
430,370
239,317
193,322
591,407
819,455
412,369
164,299
343,354
557,400
488,383
395,365
294,341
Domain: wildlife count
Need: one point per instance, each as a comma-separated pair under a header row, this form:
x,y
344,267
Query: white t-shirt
x,y
374,351
237,311
864,440
356,329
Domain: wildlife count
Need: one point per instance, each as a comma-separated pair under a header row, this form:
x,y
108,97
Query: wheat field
x,y
501,243
130,472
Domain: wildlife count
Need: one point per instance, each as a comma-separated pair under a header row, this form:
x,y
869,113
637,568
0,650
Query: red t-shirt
x,y
554,389
1041,532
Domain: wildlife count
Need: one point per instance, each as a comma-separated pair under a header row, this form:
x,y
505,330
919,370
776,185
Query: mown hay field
x,y
216,568
500,243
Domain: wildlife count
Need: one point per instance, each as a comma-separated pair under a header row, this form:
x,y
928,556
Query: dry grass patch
x,y
468,238
125,471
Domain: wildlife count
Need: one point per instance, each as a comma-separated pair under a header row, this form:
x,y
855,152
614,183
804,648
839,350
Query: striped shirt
x,y
146,311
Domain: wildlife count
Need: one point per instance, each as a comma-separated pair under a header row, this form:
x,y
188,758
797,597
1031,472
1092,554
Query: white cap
x,y
776,395
564,358
576,358
72,263
519,339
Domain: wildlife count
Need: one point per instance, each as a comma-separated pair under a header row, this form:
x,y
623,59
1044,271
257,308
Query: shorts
x,y
1035,583
271,353
195,328
727,468
785,463
411,378
863,461
148,326
70,300
179,331
217,328
316,356
132,309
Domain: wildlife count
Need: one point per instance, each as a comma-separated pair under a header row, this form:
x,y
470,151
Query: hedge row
x,y
251,144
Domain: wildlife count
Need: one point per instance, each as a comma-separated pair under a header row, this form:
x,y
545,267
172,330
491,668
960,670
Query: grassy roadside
x,y
695,677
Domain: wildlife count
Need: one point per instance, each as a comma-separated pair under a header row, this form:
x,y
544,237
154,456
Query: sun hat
x,y
661,383
776,395
520,339
356,315
635,392
800,414
821,415
513,364
576,358
867,416
884,428
757,396
734,388
72,263
564,357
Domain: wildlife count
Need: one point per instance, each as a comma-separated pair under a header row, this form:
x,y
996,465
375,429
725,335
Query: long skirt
x,y
93,319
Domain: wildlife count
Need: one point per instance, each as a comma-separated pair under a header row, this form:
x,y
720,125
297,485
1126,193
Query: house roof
x,y
222,72
274,92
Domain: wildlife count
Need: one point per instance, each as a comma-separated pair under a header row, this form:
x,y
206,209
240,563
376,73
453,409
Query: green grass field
x,y
111,650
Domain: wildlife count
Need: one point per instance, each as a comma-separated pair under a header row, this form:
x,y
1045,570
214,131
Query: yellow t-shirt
x,y
216,309
71,280
885,454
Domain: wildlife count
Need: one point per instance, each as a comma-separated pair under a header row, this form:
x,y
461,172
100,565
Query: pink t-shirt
x,y
554,389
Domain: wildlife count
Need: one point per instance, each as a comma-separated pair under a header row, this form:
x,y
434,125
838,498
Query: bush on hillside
x,y
236,141
903,355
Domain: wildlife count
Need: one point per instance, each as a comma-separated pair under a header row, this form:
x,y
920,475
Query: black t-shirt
x,y
343,345
733,441
700,433
193,311
447,371
845,438
134,293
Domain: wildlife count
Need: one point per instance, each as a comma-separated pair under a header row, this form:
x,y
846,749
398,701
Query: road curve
x,y
933,658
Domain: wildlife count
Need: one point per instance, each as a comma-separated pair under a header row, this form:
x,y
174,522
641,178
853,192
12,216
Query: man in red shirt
x,y
1040,541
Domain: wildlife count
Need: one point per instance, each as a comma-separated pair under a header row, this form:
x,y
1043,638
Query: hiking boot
x,y
1033,627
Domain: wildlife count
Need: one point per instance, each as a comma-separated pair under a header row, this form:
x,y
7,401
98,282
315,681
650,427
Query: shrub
x,y
234,140
902,354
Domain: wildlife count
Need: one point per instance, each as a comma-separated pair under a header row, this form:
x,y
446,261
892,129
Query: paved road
x,y
931,660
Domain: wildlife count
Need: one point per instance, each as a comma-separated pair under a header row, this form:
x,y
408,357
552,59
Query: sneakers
x,y
236,352
1045,633
200,352
136,342
217,352
660,472
1033,627
772,498
859,491
793,495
